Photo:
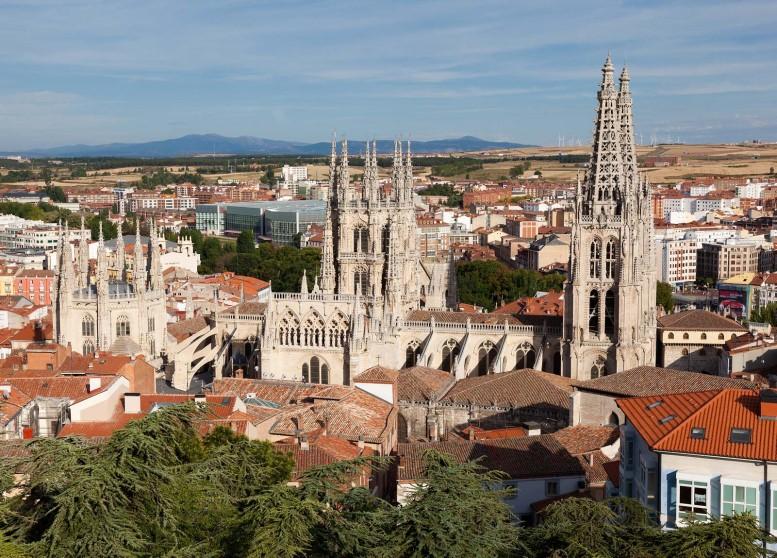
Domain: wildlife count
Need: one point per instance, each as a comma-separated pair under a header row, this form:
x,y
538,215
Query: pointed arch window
x,y
88,348
365,240
305,373
122,327
315,370
486,358
87,326
609,312
324,374
611,258
595,268
599,367
593,312
360,282
525,356
412,353
355,240
450,351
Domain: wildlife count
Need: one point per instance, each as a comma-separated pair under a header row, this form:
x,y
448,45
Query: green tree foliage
x,y
110,230
453,166
489,283
283,265
454,197
163,178
246,243
765,314
664,296
55,193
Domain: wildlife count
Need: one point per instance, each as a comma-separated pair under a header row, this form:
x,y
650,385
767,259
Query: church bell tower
x,y
609,295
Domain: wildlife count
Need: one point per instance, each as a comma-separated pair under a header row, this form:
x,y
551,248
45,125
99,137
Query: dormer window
x,y
654,404
667,418
697,433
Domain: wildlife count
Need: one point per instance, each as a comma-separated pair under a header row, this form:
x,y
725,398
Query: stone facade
x,y
94,312
609,315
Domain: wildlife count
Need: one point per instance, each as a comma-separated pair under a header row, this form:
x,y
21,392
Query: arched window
x,y
315,373
721,336
685,352
386,238
355,240
486,358
365,240
686,336
313,331
337,330
613,420
412,353
670,335
733,335
703,335
450,351
360,282
525,356
87,326
122,327
593,311
599,367
88,348
324,374
289,330
610,259
305,373
595,268
609,312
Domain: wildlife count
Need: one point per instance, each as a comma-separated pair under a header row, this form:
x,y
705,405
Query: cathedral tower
x,y
609,296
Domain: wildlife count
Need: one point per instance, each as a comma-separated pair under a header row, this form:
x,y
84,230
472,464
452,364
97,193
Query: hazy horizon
x,y
127,72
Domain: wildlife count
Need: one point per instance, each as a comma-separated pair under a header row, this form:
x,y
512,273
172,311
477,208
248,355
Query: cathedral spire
x,y
120,256
408,175
138,265
303,287
344,177
155,261
628,149
397,174
604,180
83,258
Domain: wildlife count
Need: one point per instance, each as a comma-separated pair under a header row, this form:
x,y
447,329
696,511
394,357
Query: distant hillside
x,y
200,144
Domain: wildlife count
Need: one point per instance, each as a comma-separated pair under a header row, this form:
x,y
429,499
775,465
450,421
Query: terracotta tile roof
x,y
515,389
699,320
347,412
248,308
528,457
420,383
64,387
97,429
378,375
186,328
717,412
552,304
323,451
613,470
586,438
473,432
651,380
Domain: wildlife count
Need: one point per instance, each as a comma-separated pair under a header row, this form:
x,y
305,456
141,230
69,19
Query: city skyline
x,y
299,71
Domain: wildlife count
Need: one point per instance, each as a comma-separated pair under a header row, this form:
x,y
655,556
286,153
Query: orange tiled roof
x,y
717,412
699,320
377,375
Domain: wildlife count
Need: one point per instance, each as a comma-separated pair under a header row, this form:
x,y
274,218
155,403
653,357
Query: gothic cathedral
x,y
610,292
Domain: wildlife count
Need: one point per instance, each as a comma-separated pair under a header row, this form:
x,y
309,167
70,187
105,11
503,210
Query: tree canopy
x,y
664,296
489,283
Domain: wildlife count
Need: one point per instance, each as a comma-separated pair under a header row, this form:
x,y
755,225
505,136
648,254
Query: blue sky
x,y
90,71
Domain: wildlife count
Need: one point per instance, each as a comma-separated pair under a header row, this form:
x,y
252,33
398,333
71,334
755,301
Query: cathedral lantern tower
x,y
609,296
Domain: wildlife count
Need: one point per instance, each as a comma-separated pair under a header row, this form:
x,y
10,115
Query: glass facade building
x,y
277,221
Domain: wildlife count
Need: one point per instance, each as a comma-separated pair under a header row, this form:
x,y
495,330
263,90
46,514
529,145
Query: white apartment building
x,y
677,205
698,190
677,261
751,190
292,175
704,205
168,203
39,237
680,459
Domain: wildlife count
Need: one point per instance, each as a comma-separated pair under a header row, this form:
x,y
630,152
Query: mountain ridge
x,y
203,144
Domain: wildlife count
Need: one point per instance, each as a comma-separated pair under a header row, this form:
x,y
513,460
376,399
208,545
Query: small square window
x,y
741,436
551,488
697,433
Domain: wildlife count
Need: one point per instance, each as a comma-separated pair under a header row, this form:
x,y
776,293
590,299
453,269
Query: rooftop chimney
x,y
199,399
303,443
94,384
768,403
533,428
132,403
5,389
361,441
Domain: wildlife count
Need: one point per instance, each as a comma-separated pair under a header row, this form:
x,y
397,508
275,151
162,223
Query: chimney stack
x,y
132,403
768,403
199,399
361,441
303,443
95,382
5,389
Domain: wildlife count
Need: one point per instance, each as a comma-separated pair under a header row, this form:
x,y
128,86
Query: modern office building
x,y
276,221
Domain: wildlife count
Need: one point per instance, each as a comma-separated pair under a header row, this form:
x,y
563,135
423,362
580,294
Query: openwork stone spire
x,y
120,256
628,149
603,189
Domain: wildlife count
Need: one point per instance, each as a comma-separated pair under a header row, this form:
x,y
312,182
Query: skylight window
x,y
697,433
667,418
741,436
655,404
